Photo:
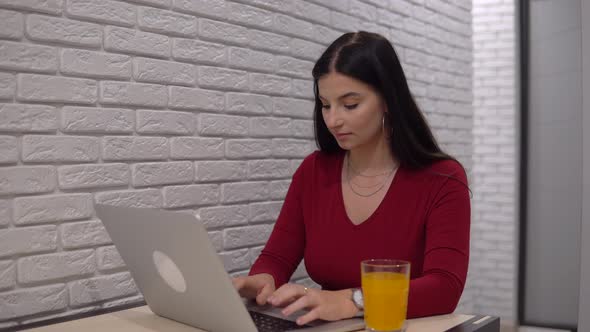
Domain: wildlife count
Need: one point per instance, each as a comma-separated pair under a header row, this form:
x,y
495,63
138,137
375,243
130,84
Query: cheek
x,y
369,121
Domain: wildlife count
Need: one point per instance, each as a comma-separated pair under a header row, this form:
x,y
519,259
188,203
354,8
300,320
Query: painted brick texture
x,y
493,272
203,106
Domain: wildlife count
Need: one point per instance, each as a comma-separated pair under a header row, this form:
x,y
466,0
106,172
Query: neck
x,y
372,157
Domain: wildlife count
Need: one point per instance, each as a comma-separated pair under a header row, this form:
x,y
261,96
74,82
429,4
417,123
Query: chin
x,y
345,145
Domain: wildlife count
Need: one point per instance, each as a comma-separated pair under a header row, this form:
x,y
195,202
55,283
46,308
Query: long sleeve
x,y
284,250
431,220
446,253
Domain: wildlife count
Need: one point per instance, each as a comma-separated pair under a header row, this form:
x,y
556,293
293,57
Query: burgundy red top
x,y
424,218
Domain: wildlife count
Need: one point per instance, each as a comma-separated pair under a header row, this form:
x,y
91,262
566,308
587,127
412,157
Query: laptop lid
x,y
173,263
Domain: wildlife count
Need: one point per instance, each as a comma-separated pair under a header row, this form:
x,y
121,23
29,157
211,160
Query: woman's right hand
x,y
258,286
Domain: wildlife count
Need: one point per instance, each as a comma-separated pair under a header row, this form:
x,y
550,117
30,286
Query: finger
x,y
238,283
308,317
286,293
264,294
279,294
301,303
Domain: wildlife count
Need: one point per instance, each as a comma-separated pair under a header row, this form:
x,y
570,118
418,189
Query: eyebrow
x,y
348,94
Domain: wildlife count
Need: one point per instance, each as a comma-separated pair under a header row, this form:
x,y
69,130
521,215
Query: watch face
x,y
357,297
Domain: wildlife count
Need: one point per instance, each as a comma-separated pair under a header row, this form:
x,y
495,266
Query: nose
x,y
333,119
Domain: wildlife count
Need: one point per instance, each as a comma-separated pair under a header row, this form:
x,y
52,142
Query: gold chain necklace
x,y
364,175
348,179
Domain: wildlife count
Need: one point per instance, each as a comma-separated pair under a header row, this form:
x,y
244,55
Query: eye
x,y
351,107
326,107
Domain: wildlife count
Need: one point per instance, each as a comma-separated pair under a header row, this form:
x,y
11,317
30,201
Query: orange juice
x,y
386,299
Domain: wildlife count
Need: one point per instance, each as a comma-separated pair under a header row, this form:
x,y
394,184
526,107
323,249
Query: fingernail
x,y
299,322
271,299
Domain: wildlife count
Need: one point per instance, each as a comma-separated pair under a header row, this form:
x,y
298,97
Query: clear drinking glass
x,y
385,284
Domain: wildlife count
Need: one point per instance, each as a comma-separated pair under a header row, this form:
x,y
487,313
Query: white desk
x,y
141,319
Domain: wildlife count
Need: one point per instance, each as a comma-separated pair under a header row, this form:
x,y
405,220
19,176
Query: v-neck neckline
x,y
379,207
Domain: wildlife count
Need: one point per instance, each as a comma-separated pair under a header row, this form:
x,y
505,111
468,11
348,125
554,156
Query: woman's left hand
x,y
326,305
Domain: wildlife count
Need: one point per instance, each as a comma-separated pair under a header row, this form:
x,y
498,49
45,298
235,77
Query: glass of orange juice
x,y
385,285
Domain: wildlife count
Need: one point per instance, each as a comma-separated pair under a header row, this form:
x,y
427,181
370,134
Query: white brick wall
x,y
493,274
199,105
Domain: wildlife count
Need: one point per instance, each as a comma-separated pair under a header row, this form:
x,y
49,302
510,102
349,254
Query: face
x,y
352,110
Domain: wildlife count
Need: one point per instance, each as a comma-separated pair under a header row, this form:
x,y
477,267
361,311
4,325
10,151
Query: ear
x,y
384,107
385,124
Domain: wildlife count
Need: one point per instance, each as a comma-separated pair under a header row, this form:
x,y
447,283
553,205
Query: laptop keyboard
x,y
267,323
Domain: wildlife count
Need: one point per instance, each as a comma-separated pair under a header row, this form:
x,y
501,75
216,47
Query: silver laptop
x,y
182,278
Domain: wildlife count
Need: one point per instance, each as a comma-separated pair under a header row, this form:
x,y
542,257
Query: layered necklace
x,y
380,184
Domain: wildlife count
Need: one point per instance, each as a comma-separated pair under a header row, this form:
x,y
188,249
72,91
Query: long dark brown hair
x,y
370,58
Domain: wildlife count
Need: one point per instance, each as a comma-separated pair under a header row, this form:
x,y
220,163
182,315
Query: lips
x,y
342,135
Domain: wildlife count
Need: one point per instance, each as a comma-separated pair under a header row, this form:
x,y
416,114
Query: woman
x,y
379,187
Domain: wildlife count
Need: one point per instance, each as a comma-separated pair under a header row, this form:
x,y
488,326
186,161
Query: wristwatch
x,y
357,298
